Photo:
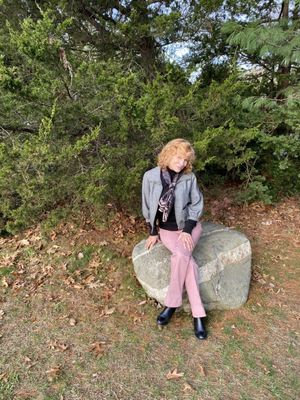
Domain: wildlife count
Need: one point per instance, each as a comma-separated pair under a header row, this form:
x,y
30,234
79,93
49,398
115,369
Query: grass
x,y
81,328
7,386
5,271
81,258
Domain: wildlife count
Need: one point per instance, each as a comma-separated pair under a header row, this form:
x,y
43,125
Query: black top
x,y
170,224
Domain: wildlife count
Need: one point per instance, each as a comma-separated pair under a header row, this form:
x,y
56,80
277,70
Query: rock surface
x,y
224,259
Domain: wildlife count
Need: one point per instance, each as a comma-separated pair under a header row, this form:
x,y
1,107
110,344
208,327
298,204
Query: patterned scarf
x,y
166,201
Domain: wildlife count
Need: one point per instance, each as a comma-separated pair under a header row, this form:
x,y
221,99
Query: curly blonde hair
x,y
177,146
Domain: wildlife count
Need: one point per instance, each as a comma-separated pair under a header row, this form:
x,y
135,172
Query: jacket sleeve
x,y
146,198
195,207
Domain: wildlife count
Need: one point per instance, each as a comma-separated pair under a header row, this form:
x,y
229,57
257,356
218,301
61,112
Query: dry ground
x,y
75,323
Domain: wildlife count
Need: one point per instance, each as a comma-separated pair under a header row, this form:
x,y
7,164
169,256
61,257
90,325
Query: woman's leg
x,y
192,288
184,270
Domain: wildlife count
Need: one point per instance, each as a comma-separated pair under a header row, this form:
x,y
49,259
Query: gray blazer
x,y
188,198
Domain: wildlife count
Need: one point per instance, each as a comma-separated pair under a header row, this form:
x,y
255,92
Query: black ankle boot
x,y
199,327
165,316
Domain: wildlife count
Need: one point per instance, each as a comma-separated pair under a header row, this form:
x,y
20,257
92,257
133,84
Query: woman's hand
x,y
186,240
150,242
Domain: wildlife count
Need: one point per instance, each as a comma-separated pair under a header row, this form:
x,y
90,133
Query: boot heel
x,y
165,316
199,328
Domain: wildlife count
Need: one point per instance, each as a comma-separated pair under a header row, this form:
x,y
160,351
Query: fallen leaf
x,y
63,346
29,363
53,249
25,394
24,242
72,321
57,346
53,235
142,303
137,320
1,314
69,280
53,373
94,285
201,370
97,348
187,387
78,287
174,374
108,311
267,371
4,282
262,281
89,279
4,377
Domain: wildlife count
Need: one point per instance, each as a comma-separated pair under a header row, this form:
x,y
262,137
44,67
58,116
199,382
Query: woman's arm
x,y
195,207
153,238
145,198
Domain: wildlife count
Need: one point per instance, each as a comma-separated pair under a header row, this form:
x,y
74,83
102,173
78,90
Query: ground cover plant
x,y
75,323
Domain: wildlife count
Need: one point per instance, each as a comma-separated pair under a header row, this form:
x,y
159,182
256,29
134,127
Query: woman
x,y
172,205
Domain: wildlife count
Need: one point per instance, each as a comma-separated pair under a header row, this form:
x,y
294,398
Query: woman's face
x,y
178,162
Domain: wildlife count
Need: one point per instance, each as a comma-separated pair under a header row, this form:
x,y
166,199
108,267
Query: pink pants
x,y
184,271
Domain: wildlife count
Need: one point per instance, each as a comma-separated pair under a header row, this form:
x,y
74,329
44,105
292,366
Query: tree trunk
x,y
284,70
284,10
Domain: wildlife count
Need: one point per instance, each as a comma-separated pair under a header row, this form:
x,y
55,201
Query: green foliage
x,y
7,386
79,125
279,140
282,161
40,40
226,148
91,145
221,102
54,217
80,260
4,271
257,189
39,172
267,41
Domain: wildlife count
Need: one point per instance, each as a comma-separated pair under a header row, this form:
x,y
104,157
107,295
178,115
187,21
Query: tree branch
x,y
10,128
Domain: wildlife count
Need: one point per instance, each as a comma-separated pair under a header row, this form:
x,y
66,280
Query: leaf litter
x,y
174,374
31,278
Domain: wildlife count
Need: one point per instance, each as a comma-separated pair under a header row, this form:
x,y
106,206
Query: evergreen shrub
x,y
80,128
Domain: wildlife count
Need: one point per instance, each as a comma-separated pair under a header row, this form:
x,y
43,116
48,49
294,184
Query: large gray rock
x,y
224,259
